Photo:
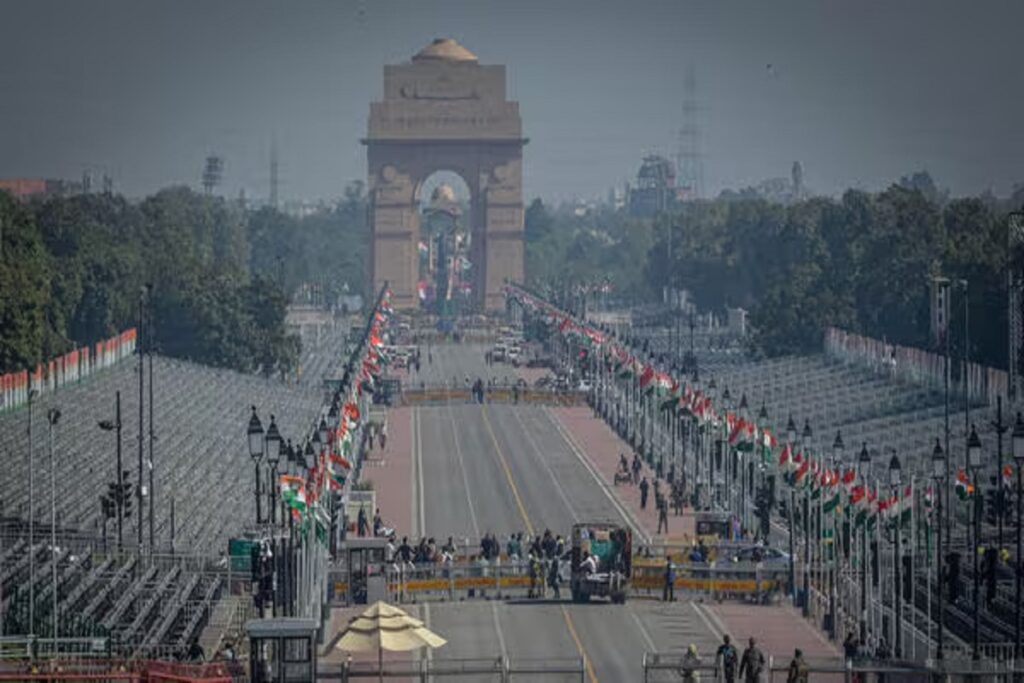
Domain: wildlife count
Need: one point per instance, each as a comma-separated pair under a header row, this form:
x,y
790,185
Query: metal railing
x,y
674,666
500,669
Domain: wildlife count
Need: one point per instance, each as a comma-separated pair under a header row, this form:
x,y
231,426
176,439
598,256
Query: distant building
x,y
655,189
28,188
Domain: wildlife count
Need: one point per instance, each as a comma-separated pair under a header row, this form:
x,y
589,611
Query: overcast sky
x,y
860,91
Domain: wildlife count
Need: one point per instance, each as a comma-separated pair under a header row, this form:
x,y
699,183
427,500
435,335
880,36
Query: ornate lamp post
x,y
864,471
275,448
974,464
939,477
895,478
255,437
837,458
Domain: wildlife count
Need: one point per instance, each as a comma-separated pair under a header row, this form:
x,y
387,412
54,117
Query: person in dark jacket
x,y
644,486
752,663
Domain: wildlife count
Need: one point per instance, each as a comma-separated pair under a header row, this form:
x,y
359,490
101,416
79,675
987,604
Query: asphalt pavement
x,y
507,468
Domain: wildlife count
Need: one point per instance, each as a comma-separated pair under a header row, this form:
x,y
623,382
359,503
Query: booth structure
x,y
362,560
282,650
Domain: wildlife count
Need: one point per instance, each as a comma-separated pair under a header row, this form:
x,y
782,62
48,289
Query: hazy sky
x,y
859,91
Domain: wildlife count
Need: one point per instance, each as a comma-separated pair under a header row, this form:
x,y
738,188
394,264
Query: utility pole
x,y
52,416
142,376
152,434
31,517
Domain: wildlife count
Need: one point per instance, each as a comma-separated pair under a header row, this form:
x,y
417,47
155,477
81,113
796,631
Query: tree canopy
x,y
72,269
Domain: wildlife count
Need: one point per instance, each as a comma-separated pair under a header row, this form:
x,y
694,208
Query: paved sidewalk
x,y
601,446
778,629
391,472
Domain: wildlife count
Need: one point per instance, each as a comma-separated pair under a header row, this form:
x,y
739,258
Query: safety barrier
x,y
461,580
119,670
435,396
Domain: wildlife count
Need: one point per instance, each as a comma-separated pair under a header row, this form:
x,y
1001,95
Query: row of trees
x,y
72,268
861,262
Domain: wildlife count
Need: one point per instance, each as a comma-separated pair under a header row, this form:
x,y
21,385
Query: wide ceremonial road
x,y
464,470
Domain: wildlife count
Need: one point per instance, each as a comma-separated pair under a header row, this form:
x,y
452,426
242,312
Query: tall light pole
x,y
897,603
52,416
255,437
152,433
805,443
32,393
1018,457
939,468
864,470
974,464
791,440
115,426
142,374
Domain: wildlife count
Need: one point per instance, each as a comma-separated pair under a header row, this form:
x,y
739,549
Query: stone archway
x,y
443,111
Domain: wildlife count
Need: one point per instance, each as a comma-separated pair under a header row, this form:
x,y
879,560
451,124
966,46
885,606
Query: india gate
x,y
444,111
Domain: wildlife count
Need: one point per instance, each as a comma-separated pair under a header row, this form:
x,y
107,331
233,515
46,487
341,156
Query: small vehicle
x,y
714,526
767,556
601,561
584,385
512,356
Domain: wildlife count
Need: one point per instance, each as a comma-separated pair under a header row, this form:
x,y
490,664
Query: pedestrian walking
x,y
752,663
797,668
662,514
691,662
361,522
383,435
637,466
725,660
669,592
644,486
553,578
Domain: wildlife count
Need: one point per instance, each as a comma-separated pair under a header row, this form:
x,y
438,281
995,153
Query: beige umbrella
x,y
386,627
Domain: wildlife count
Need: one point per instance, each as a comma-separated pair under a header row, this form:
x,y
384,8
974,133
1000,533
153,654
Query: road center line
x,y
420,498
508,472
579,646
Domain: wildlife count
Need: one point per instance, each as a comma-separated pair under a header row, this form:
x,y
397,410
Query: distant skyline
x,y
859,92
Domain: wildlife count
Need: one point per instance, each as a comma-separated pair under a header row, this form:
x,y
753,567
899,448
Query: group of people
x,y
632,473
749,667
379,529
376,432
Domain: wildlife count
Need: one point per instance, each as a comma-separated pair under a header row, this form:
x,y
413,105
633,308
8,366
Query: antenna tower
x,y
212,173
274,182
689,167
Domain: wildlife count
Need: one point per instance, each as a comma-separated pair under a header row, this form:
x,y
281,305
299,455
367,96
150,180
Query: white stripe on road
x,y
627,516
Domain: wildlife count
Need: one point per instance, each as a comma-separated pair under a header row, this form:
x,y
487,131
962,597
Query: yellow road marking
x,y
529,527
508,473
579,646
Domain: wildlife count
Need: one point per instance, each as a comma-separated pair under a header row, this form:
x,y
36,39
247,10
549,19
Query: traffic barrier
x,y
434,396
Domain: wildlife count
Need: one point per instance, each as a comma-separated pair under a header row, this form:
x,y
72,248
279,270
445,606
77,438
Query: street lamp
x,y
115,426
864,469
323,432
838,447
894,482
791,430
807,434
974,464
275,447
1017,441
939,476
255,436
762,415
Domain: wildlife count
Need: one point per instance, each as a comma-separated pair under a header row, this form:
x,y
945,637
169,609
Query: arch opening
x,y
445,285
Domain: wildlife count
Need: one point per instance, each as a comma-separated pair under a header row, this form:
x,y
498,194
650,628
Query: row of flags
x,y
307,495
838,488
